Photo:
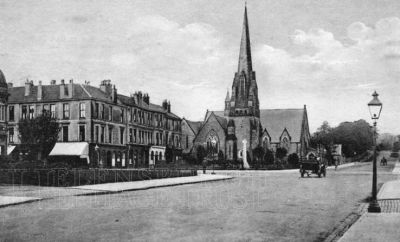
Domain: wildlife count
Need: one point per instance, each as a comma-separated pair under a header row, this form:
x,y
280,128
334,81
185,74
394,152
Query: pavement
x,y
148,184
382,226
11,200
16,194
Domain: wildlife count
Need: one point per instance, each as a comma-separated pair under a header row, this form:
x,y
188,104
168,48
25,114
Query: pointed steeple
x,y
227,99
245,50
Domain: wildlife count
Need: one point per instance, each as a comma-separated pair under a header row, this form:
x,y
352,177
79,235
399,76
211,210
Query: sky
x,y
329,55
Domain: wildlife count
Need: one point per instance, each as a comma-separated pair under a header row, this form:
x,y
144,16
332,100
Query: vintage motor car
x,y
312,166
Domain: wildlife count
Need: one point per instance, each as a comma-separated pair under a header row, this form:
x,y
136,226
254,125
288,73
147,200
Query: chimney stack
x,y
169,107
40,91
114,95
28,85
53,82
62,89
165,105
106,87
70,88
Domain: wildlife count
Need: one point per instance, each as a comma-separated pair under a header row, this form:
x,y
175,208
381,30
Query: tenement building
x,y
98,125
3,118
243,126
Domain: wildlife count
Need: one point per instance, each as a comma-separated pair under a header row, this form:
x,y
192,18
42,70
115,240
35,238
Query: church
x,y
243,126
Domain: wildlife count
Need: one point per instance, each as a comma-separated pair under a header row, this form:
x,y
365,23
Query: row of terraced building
x,y
99,126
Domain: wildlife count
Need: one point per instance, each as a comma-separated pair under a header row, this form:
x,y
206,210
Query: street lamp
x,y
375,108
98,154
213,147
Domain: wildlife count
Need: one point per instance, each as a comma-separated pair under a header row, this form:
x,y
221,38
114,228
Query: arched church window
x,y
212,143
265,142
285,143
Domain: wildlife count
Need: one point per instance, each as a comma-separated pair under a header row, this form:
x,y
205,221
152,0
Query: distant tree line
x,y
355,137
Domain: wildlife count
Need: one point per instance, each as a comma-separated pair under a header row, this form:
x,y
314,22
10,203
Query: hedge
x,y
78,177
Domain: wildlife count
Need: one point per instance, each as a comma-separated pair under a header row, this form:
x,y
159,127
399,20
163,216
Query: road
x,y
253,206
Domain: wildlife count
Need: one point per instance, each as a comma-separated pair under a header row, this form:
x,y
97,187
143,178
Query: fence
x,y
77,177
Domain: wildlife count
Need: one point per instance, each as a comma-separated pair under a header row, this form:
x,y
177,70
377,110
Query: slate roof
x,y
195,126
217,113
51,93
275,121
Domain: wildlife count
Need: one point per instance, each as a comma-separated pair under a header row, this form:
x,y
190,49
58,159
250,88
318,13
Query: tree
x,y
385,141
293,159
268,157
356,137
200,153
221,159
39,135
169,154
258,154
324,137
281,153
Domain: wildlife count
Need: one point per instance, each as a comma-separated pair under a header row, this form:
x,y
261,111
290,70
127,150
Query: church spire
x,y
245,50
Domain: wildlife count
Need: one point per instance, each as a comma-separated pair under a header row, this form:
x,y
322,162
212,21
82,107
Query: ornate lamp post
x,y
213,148
96,148
375,108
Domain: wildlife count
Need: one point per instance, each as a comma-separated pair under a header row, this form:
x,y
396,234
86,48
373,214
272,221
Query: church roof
x,y
195,126
276,120
217,113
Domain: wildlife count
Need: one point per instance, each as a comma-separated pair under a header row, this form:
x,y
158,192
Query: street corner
x,y
390,190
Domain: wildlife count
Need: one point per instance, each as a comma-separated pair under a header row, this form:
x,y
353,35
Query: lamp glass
x,y
375,106
375,111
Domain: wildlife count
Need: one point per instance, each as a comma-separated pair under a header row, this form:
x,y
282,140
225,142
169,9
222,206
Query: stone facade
x,y
120,130
3,114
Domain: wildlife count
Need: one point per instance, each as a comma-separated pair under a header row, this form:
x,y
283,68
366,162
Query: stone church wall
x,y
212,124
243,131
187,137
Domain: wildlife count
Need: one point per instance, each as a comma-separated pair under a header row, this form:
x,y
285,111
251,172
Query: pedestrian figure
x,y
383,161
336,163
204,166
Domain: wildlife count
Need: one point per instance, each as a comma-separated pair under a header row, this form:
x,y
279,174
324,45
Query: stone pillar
x,y
244,153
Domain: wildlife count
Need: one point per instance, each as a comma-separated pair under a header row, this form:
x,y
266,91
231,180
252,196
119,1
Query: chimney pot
x,y
40,91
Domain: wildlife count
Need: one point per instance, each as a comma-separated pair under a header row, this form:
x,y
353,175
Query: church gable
x,y
285,135
214,126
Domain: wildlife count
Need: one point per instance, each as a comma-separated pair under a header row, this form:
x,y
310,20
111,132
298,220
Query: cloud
x,y
336,76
